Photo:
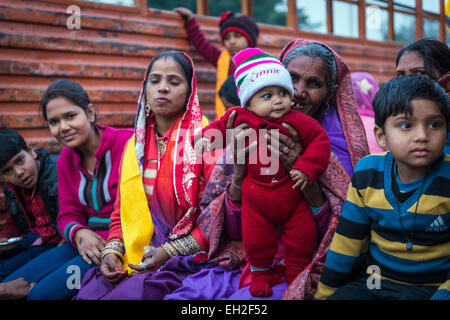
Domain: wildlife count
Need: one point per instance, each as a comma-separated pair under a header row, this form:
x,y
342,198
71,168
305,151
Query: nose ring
x,y
303,95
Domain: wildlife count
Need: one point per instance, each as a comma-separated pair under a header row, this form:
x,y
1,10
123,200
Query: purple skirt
x,y
144,286
179,279
216,283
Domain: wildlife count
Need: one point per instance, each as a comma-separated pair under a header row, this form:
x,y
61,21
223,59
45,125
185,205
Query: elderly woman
x,y
153,225
323,90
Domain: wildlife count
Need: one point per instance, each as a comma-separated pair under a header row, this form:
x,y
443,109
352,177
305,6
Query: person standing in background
x,y
237,32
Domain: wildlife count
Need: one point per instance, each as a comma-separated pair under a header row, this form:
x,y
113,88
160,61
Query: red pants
x,y
269,209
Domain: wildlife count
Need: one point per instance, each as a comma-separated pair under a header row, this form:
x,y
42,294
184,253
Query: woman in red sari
x,y
153,226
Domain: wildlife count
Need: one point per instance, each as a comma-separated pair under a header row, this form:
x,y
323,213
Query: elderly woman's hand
x,y
237,138
152,260
287,149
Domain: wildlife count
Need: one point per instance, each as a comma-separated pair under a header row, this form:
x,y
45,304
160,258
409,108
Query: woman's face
x,y
69,123
309,81
411,63
166,89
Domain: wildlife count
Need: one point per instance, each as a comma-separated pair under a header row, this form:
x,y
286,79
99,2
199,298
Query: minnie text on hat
x,y
256,75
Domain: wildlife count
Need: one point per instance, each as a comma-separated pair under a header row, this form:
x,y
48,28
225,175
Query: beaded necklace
x,y
409,239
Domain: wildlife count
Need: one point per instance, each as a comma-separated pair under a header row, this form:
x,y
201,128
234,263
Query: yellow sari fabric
x,y
136,221
134,210
137,226
223,66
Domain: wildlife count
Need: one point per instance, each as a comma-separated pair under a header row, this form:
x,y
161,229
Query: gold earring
x,y
147,110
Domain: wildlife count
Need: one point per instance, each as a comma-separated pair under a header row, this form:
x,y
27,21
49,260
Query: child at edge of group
x,y
237,32
396,216
30,182
87,185
271,200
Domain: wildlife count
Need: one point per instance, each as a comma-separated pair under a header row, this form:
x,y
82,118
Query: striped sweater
x,y
370,223
86,199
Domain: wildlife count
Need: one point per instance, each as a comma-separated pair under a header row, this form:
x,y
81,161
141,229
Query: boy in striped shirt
x,y
30,185
397,214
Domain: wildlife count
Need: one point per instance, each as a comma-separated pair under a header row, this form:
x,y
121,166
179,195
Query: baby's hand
x,y
301,179
202,145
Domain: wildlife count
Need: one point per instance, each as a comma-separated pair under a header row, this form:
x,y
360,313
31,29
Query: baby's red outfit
x,y
268,201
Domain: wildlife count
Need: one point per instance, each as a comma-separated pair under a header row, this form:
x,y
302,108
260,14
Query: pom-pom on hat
x,y
239,23
257,69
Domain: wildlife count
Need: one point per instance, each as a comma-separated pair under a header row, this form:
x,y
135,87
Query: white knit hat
x,y
257,69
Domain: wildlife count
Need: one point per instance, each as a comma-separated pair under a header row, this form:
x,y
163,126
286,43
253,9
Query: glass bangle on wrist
x,y
114,246
235,185
184,246
169,249
230,197
107,251
233,199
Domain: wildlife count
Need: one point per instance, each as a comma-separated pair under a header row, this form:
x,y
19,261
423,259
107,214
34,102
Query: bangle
x,y
116,244
234,199
170,250
235,185
185,246
107,251
230,197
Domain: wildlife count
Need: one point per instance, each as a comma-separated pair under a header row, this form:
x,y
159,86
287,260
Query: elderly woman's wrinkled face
x,y
309,81
166,88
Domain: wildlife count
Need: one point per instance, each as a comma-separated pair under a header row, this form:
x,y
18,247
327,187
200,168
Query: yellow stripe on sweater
x,y
433,205
324,291
445,285
353,196
409,283
375,198
420,253
346,246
